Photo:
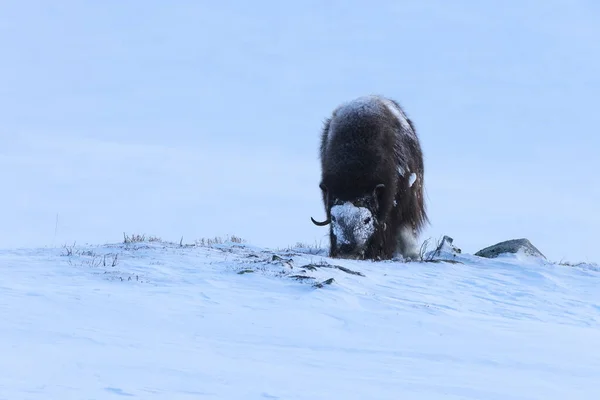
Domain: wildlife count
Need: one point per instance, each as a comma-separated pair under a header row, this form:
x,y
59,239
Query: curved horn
x,y
326,222
326,200
378,189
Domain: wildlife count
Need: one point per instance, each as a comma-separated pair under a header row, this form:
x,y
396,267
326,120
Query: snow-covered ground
x,y
154,320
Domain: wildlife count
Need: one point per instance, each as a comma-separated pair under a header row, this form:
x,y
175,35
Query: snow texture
x,y
411,179
360,106
237,322
398,113
407,236
368,105
350,220
401,170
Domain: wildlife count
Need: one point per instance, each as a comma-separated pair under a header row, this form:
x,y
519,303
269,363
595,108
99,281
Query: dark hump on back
x,y
359,150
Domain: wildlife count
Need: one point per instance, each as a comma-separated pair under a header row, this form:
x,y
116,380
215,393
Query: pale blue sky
x,y
200,118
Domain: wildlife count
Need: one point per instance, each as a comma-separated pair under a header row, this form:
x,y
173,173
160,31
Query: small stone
x,y
245,271
325,282
510,246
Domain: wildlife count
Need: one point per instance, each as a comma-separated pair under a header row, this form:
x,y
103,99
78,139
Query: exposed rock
x,y
510,246
322,284
245,271
301,277
313,267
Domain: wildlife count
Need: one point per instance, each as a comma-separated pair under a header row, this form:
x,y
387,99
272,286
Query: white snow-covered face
x,y
352,227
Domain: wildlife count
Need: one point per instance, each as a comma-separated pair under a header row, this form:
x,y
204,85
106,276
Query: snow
x,y
370,104
363,105
348,217
359,105
401,170
407,236
231,321
411,179
398,113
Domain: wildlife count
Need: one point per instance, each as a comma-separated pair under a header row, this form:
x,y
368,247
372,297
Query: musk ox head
x,y
353,222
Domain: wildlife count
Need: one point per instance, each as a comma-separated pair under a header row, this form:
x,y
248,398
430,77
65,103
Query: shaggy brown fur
x,y
369,149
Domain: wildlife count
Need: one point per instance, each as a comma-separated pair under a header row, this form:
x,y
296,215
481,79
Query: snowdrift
x,y
156,320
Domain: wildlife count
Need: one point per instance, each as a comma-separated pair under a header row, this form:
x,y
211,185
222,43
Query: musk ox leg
x,y
406,242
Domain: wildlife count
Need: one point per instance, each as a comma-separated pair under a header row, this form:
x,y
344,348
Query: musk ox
x,y
372,180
